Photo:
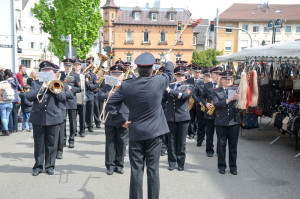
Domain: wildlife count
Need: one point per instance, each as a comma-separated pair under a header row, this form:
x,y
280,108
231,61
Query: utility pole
x,y
216,30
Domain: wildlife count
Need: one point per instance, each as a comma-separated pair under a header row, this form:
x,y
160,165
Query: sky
x,y
205,9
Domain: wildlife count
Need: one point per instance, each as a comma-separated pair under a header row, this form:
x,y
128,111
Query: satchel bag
x,y
250,121
296,84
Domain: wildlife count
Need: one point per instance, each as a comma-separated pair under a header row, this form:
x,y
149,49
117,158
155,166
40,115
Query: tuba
x,y
100,71
212,109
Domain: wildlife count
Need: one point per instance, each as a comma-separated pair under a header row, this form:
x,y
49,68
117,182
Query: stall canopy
x,y
285,50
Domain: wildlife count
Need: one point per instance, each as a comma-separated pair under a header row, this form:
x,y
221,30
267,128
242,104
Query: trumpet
x,y
211,109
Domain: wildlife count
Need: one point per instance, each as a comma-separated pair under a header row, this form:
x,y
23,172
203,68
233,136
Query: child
x,y
26,107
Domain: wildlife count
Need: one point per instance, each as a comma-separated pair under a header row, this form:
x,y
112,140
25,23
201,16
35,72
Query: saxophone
x,y
212,109
100,71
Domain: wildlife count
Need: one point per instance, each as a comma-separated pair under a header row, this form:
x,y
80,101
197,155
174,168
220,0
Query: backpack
x,y
8,94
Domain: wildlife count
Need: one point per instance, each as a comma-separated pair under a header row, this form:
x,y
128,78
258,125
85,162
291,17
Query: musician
x,y
190,71
206,75
81,96
206,97
143,97
62,126
131,74
90,85
115,134
73,81
46,118
227,122
177,114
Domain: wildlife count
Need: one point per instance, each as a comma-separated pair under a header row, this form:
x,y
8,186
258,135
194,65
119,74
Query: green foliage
x,y
206,58
80,18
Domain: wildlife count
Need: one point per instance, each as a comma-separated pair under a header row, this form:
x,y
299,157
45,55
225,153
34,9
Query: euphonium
x,y
100,71
56,86
191,103
212,109
90,67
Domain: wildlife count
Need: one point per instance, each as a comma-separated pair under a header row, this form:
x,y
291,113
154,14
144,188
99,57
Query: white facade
x,y
260,33
35,41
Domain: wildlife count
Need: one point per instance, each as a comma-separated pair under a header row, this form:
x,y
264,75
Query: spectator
x,y
22,71
13,118
26,107
5,105
2,74
31,78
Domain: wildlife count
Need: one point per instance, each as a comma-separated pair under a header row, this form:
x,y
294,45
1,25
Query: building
x,y
255,18
203,38
133,31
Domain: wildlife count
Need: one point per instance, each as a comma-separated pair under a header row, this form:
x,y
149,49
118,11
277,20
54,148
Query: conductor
x,y
147,122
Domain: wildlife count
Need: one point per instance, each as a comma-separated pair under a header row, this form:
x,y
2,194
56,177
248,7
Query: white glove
x,y
167,57
168,89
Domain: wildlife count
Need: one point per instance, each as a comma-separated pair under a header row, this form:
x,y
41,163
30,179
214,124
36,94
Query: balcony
x,y
128,42
161,43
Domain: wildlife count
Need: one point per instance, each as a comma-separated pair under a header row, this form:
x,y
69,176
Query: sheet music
x,y
231,92
45,76
113,81
69,78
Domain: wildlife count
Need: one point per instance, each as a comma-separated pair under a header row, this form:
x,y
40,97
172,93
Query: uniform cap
x,y
217,69
197,69
180,69
68,61
227,74
145,59
190,66
206,71
181,62
55,68
77,61
117,68
46,65
120,62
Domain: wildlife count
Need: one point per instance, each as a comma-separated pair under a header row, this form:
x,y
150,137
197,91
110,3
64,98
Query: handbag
x,y
250,121
296,84
258,111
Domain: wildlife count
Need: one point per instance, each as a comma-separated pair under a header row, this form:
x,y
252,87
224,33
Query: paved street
x,y
265,171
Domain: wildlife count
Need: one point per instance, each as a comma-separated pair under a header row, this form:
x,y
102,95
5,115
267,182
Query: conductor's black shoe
x,y
50,171
119,170
71,145
171,168
36,172
210,155
90,129
233,172
98,126
82,134
191,136
109,172
221,171
180,168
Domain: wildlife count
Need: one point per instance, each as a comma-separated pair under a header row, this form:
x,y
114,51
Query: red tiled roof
x,y
252,12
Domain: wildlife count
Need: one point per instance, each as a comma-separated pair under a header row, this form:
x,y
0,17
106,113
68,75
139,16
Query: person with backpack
x,y
7,95
26,107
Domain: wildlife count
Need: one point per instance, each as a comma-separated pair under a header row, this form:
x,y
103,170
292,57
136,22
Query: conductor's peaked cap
x,y
145,59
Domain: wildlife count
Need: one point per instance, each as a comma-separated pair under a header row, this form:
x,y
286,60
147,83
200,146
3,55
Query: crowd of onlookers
x,y
14,106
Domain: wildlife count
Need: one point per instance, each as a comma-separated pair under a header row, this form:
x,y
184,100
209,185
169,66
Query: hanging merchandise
x,y
243,91
254,88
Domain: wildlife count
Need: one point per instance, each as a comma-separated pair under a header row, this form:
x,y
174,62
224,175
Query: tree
x,y
80,18
205,58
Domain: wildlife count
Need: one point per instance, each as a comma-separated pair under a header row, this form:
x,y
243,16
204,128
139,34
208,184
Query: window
x,y
172,17
255,27
26,63
32,29
255,43
245,26
128,57
146,37
154,16
228,45
137,15
266,28
112,16
112,36
128,36
32,45
298,29
180,39
288,28
244,44
162,37
106,16
178,57
194,40
105,36
41,45
228,30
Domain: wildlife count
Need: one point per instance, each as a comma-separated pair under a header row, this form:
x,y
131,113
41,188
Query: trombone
x,y
103,115
55,86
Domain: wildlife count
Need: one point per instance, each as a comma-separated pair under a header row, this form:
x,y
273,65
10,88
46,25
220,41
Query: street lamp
x,y
274,26
65,39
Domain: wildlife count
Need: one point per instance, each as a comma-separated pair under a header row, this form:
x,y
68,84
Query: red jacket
x,y
20,78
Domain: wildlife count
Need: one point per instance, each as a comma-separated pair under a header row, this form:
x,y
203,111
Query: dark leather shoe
x,y
50,171
82,134
233,172
163,153
35,172
119,170
210,155
98,126
171,168
199,145
59,156
5,133
71,145
180,168
91,129
109,172
221,171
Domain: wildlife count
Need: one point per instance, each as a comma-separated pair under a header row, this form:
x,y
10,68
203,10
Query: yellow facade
x,y
225,36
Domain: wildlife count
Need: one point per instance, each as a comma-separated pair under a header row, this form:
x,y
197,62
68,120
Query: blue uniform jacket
x,y
176,104
206,96
143,97
90,86
197,93
69,96
48,112
225,114
72,103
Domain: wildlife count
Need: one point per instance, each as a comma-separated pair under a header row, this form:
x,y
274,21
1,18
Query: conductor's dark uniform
x,y
227,122
115,134
143,97
177,114
46,118
71,104
207,97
